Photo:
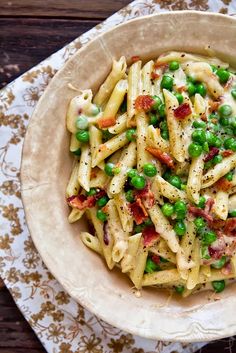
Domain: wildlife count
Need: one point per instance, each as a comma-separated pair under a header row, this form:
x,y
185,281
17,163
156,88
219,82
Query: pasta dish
x,y
154,171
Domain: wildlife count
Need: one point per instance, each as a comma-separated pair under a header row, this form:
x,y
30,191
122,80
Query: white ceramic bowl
x,y
46,166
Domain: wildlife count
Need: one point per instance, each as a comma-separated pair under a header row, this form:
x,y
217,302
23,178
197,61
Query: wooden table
x,y
29,32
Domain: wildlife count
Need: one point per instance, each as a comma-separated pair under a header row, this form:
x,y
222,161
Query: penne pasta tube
x,y
116,74
232,203
162,249
221,205
95,142
155,140
187,243
206,270
91,242
120,125
146,77
164,228
102,234
73,184
85,167
174,126
99,179
75,215
195,179
125,215
218,171
109,147
81,102
170,191
161,277
192,280
133,90
127,160
128,261
136,274
115,229
216,275
74,143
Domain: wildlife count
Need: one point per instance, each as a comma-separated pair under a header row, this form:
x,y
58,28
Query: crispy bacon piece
x,y
135,58
182,111
215,253
213,152
106,122
214,105
227,153
150,236
156,259
81,201
204,117
223,184
163,157
138,211
146,195
217,224
144,102
163,66
230,227
198,212
154,75
209,205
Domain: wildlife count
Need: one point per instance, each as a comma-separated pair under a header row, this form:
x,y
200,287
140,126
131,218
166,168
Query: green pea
x,y
129,195
233,93
233,122
199,136
109,169
166,175
95,110
91,192
162,259
183,187
220,263
153,119
102,201
138,182
223,75
106,135
205,253
194,150
167,209
208,165
148,222
214,68
82,136
131,134
162,110
229,176
175,181
224,121
209,237
149,169
199,223
132,173
180,209
217,159
123,107
167,82
173,65
138,229
180,228
211,138
191,88
165,134
202,201
179,289
151,266
218,286
232,213
213,116
205,147
101,215
116,170
218,142
225,110
179,97
230,143
191,79
82,122
201,89
157,102
77,152
199,124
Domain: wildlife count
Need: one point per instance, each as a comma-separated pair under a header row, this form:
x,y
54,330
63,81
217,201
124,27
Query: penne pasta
x,y
85,167
75,215
133,91
170,191
192,280
124,212
120,125
128,261
221,205
73,186
91,242
195,179
161,277
136,274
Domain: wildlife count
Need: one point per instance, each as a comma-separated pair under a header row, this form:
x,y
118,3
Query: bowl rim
x,y
80,298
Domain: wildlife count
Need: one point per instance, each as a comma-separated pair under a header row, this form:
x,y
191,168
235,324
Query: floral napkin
x,y
62,325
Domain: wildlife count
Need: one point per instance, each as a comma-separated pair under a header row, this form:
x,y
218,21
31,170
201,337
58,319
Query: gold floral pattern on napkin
x,y
62,325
